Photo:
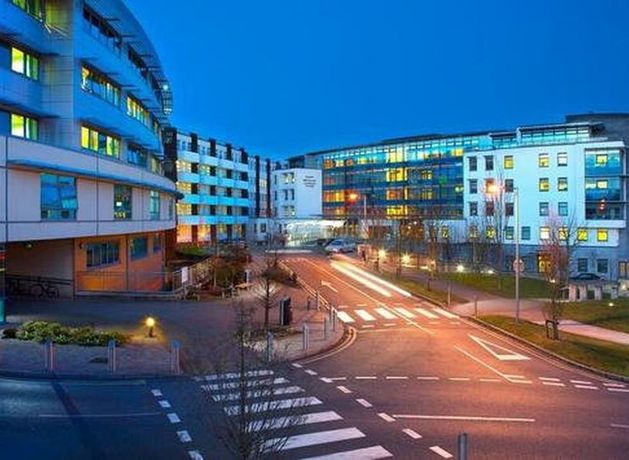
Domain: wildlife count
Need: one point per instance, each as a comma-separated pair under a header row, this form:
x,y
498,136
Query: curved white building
x,y
83,101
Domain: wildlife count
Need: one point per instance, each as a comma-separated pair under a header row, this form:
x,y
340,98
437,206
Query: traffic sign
x,y
518,265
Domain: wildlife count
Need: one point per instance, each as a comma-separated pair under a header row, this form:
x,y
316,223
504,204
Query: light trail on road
x,y
361,279
374,278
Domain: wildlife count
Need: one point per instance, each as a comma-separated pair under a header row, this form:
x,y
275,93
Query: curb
x,y
339,343
26,375
593,370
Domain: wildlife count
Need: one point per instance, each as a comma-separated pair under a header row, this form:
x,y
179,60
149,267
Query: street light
x,y
406,259
150,324
353,198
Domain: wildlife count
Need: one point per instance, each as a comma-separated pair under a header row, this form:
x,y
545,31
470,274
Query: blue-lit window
x,y
58,197
543,209
138,247
106,253
508,233
154,205
603,162
96,83
562,208
122,202
137,156
526,233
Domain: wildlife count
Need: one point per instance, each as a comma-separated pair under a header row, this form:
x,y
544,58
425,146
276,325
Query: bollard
x,y
111,355
175,364
269,346
49,355
317,300
475,305
306,336
333,319
331,312
308,303
462,443
449,293
326,328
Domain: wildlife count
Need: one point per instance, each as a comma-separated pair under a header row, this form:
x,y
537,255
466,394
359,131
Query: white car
x,y
340,245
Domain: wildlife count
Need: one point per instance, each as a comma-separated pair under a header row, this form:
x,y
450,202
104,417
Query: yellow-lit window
x,y
602,184
490,232
395,194
601,159
85,137
445,232
24,126
562,184
426,194
563,233
602,235
24,63
458,152
184,187
543,160
184,209
582,234
17,60
544,184
425,174
508,162
396,174
17,125
544,233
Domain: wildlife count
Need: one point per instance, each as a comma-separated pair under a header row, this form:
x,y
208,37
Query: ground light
x,y
460,268
611,304
150,324
406,259
382,253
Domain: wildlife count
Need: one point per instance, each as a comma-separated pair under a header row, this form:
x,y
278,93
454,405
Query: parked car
x,y
340,245
586,277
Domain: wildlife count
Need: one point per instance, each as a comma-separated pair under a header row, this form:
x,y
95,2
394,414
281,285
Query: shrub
x,y
40,331
9,333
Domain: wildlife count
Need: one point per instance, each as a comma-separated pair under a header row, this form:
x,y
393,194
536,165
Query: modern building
x,y
214,180
260,200
461,188
83,102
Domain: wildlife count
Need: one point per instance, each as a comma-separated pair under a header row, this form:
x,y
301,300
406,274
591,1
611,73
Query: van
x,y
340,245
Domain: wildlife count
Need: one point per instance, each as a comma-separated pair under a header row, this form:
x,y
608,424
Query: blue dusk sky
x,y
287,77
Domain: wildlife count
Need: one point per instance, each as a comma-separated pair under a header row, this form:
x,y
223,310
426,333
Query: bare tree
x,y
266,290
497,213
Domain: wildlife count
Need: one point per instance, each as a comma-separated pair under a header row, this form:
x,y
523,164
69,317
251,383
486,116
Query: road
x,y
409,380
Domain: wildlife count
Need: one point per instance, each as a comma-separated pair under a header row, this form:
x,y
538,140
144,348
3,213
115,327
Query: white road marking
x,y
482,363
366,377
248,384
289,421
386,314
514,376
519,381
329,286
614,385
258,394
310,372
619,425
234,375
156,393
336,379
325,380
618,390
343,316
343,389
586,387
550,379
184,436
164,404
317,438
173,418
445,313
431,377
297,365
464,417
386,417
389,325
363,402
412,433
367,326
498,351
441,452
274,405
460,379
489,380
396,377
361,305
404,312
367,453
581,382
554,384
195,455
426,313
364,314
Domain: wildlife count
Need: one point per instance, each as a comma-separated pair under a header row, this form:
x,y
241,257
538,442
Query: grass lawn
x,y
599,354
599,313
420,289
529,287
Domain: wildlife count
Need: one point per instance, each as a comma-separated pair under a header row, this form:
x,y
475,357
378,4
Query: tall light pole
x,y
516,263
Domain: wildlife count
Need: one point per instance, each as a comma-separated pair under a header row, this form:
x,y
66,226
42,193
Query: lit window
x,y
544,184
543,208
582,234
508,233
602,235
58,197
96,141
543,161
24,63
122,202
544,233
445,232
508,162
562,159
562,184
136,110
25,127
490,232
154,205
562,208
601,159
95,83
563,233
33,7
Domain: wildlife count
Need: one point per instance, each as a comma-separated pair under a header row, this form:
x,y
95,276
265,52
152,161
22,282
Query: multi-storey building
x,y
260,209
83,101
570,177
214,181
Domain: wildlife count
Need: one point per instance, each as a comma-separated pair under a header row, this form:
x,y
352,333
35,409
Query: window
x,y
489,208
473,186
96,141
489,163
563,233
122,202
602,235
138,247
25,127
508,233
95,83
58,197
543,161
106,253
473,205
582,234
544,184
508,162
472,163
490,186
157,243
490,232
136,110
602,265
154,205
33,7
562,208
543,208
509,209
562,184
171,208
526,233
544,233
623,269
445,232
582,265
137,156
101,30
24,63
509,186
562,159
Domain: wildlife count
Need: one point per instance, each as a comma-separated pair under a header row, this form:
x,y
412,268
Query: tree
x,y
497,213
266,290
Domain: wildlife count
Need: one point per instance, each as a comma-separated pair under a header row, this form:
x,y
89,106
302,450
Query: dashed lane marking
x,y
386,417
184,436
412,433
363,402
343,389
619,425
396,377
325,380
465,418
337,379
427,377
195,455
441,452
173,418
554,384
490,380
366,377
156,393
614,385
586,387
618,390
581,382
389,325
550,379
310,372
459,379
367,326
164,404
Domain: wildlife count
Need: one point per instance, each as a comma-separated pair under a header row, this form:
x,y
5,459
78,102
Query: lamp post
x,y
516,264
353,198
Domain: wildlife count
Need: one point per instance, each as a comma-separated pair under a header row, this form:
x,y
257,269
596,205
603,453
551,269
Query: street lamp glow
x,y
382,253
353,196
610,304
490,271
150,324
460,268
406,259
492,189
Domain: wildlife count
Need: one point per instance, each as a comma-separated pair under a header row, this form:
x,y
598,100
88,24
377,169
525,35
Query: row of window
x,y
582,234
108,252
543,185
509,163
23,126
24,63
33,7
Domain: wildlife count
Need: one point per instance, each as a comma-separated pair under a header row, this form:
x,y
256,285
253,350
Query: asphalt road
x,y
408,382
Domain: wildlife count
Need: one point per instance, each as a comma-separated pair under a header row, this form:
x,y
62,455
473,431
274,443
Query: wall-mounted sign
x,y
309,181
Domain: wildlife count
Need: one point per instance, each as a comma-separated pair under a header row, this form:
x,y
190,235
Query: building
x,y
460,189
214,180
260,202
83,101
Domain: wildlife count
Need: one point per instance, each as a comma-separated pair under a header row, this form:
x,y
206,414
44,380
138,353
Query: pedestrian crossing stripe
x,y
404,312
343,316
317,438
445,313
365,315
386,314
426,313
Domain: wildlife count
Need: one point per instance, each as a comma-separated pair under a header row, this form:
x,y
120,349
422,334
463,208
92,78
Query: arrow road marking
x,y
498,351
329,285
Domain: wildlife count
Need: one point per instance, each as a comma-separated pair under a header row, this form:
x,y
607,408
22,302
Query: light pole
x,y
516,263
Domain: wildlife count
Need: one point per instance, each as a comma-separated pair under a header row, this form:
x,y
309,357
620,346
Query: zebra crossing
x,y
295,424
395,315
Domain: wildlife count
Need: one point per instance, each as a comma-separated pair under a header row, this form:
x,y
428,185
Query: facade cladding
x,y
83,102
225,191
571,174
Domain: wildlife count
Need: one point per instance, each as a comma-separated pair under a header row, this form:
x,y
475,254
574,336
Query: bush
x,y
40,331
9,333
